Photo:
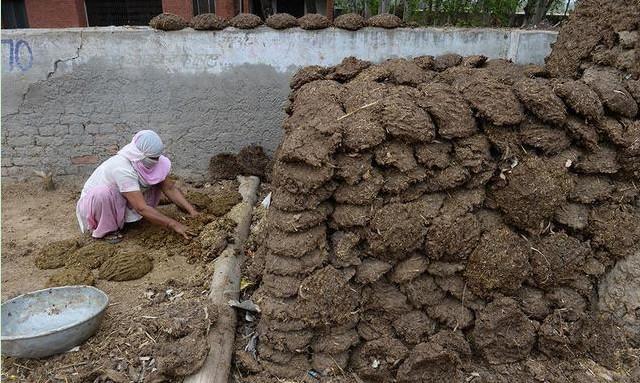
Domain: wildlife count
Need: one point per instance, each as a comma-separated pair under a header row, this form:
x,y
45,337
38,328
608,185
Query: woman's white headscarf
x,y
145,153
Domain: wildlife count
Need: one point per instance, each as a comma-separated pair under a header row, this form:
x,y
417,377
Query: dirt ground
x,y
154,328
32,218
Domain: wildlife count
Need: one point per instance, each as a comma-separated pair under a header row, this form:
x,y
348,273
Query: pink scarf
x,y
147,144
156,174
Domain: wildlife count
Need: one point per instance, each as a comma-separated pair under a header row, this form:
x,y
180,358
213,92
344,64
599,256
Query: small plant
x,y
47,179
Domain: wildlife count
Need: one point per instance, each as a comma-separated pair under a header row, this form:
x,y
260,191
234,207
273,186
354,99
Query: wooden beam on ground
x,y
225,285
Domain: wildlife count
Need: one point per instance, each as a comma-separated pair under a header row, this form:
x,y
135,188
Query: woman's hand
x,y
137,201
171,190
182,230
194,213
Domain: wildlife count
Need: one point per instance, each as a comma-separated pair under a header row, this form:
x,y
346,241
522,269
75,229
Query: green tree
x,y
536,10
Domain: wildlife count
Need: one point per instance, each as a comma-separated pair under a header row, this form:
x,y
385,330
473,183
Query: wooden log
x,y
225,285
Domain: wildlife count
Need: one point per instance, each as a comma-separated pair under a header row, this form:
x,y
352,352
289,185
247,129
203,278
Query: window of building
x,y
204,6
121,12
14,14
299,8
292,7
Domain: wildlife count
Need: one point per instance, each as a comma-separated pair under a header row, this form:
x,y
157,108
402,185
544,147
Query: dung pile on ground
x,y
212,228
384,20
74,253
168,22
126,265
250,161
213,231
245,21
599,32
54,255
70,276
217,204
447,218
281,21
312,21
161,340
350,22
208,22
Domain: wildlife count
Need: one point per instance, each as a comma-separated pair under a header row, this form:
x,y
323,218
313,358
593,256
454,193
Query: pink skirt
x,y
103,209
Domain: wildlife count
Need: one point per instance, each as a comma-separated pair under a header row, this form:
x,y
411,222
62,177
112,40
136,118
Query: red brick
x,y
112,149
182,8
226,8
56,13
330,9
84,160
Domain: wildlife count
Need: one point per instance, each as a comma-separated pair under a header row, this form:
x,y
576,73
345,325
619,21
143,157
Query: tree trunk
x,y
384,6
536,10
405,11
566,9
367,9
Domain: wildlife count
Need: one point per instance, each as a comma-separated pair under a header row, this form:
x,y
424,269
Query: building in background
x,y
83,13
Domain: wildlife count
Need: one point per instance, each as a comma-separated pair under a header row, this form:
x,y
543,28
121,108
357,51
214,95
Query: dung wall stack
x,y
438,217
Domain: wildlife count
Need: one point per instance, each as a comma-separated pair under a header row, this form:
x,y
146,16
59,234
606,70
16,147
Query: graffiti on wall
x,y
16,55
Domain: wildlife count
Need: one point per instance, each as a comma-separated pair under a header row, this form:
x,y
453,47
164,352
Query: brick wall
x,y
226,8
56,13
224,90
330,9
182,8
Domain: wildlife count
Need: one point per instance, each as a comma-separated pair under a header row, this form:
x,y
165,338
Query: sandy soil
x,y
32,218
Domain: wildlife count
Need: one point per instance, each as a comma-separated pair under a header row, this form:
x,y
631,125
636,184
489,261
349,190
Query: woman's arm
x,y
137,202
172,192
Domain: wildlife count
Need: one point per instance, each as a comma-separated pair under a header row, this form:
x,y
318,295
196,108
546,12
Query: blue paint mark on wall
x,y
18,55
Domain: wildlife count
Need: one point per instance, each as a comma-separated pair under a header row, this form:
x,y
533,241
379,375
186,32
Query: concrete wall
x,y
71,97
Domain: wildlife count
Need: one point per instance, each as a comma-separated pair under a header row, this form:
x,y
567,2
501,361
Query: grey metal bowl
x,y
51,321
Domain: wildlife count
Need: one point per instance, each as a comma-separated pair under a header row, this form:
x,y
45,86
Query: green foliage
x,y
449,12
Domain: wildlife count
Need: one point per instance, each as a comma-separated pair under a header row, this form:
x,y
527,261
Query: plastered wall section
x,y
72,97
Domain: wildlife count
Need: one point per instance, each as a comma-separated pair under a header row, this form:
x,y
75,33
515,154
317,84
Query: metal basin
x,y
51,321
